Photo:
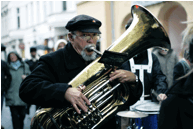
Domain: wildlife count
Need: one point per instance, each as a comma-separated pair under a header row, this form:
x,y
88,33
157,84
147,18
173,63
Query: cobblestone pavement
x,y
6,120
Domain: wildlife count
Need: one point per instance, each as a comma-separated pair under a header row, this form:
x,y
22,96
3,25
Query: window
x,y
18,22
51,7
13,46
38,12
18,10
18,17
32,13
27,15
45,9
64,6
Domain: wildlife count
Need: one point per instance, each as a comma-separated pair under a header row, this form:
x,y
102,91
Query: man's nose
x,y
91,40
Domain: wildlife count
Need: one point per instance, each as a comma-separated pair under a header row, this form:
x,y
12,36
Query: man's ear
x,y
70,36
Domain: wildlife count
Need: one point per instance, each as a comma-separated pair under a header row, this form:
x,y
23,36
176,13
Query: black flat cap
x,y
32,49
84,23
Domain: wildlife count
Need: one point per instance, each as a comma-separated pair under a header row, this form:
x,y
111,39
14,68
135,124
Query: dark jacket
x,y
5,77
167,63
32,64
47,84
155,80
176,111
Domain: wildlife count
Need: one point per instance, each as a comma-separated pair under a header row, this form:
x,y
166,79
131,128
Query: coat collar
x,y
11,67
72,59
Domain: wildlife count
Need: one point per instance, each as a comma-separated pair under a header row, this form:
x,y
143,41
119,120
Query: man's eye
x,y
95,34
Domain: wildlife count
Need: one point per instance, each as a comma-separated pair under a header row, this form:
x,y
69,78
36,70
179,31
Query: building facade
x,y
34,23
43,22
115,14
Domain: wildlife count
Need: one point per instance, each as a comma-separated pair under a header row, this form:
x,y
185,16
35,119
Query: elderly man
x,y
47,86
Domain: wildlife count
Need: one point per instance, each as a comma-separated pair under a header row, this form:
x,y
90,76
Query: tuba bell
x,y
106,98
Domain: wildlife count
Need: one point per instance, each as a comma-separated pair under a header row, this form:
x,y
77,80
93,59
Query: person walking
x,y
33,63
18,70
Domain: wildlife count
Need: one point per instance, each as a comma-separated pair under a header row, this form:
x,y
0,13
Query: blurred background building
x,y
32,23
115,14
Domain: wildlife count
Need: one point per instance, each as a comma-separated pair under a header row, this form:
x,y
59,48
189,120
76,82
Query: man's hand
x,y
76,98
123,76
161,97
24,76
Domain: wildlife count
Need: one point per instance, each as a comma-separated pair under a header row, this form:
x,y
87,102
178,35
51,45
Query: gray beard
x,y
87,57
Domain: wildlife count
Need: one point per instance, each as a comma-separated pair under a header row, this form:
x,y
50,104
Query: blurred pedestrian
x,y
33,63
18,70
60,44
5,82
176,111
167,59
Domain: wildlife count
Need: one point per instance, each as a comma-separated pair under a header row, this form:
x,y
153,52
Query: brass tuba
x,y
106,97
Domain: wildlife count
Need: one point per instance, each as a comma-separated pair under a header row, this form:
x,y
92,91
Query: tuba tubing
x,y
106,97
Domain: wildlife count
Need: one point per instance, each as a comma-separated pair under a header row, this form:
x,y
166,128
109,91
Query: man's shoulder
x,y
178,64
27,60
53,56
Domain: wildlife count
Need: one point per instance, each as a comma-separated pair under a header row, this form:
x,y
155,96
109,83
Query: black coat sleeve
x,y
134,92
178,71
159,79
42,87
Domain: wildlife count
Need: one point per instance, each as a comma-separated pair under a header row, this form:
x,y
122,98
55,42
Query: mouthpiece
x,y
91,48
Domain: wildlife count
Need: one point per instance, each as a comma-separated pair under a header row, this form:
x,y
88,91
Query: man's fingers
x,y
116,76
82,106
86,100
114,73
76,108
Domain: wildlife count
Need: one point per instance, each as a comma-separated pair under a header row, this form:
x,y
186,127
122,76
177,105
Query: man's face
x,y
81,41
163,52
33,54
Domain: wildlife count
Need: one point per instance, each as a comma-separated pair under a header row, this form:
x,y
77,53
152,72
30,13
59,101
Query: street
x,y
6,120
